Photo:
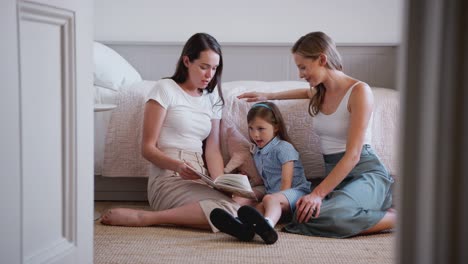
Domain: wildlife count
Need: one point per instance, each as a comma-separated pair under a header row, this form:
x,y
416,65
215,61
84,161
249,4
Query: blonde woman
x,y
355,196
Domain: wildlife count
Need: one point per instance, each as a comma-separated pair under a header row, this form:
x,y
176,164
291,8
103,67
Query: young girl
x,y
278,163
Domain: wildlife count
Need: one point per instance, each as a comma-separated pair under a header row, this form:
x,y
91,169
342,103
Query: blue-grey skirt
x,y
358,203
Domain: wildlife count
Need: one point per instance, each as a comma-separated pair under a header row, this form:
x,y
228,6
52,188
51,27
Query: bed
x,y
128,100
120,170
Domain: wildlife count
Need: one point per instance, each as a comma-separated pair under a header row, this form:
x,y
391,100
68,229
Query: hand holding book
x,y
186,172
237,184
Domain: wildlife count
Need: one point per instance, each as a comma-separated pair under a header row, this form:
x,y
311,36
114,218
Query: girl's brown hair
x,y
269,112
312,46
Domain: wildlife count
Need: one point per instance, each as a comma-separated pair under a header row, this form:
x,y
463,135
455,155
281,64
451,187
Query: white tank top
x,y
333,129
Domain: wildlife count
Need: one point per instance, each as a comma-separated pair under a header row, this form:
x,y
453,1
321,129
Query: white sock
x,y
269,222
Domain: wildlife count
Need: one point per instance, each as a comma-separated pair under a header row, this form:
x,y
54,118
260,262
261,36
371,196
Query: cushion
x,y
298,122
239,155
111,70
300,127
103,95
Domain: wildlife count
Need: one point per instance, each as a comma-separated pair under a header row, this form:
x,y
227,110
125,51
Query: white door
x,y
46,124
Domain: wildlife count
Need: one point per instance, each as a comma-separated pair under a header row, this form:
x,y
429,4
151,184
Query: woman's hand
x,y
308,206
185,172
254,96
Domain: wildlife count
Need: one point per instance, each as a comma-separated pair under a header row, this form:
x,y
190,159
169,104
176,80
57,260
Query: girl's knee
x,y
277,198
268,198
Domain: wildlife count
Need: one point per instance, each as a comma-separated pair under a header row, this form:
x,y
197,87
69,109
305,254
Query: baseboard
x,y
120,196
120,188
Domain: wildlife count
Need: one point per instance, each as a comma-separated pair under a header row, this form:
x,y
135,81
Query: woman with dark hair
x,y
181,112
355,197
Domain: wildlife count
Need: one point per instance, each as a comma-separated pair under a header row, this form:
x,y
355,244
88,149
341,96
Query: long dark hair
x,y
196,44
312,46
269,112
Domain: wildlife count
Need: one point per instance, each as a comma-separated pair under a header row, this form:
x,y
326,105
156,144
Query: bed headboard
x,y
374,64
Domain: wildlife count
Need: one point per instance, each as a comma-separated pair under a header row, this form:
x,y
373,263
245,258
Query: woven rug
x,y
182,245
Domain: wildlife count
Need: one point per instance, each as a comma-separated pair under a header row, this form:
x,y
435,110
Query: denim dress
x,y
269,161
358,203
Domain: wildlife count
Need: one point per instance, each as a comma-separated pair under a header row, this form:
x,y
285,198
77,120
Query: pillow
x,y
103,95
111,70
298,122
239,155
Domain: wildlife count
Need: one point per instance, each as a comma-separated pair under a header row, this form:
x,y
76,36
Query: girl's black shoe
x,y
230,225
251,216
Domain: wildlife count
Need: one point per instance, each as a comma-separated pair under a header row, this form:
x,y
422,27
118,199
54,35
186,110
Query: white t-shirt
x,y
188,118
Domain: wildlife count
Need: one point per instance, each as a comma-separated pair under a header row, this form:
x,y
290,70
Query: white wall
x,y
249,21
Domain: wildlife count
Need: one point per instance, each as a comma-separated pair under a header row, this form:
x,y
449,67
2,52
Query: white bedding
x,y
384,138
300,125
102,119
298,122
122,156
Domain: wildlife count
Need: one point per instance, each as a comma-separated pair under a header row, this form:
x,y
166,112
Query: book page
x,y
204,177
232,183
237,191
235,180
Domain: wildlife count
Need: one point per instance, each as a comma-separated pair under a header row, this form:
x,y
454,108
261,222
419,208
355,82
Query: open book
x,y
237,184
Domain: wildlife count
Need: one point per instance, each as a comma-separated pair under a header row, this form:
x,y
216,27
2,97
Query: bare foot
x,y
125,217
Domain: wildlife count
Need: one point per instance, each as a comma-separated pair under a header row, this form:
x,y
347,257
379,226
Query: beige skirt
x,y
166,189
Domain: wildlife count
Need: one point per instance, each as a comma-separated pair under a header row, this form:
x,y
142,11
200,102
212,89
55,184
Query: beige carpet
x,y
179,245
